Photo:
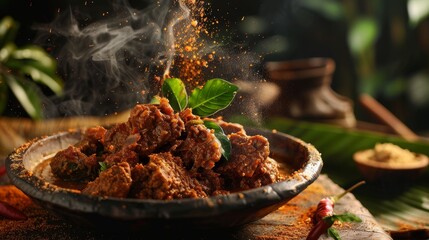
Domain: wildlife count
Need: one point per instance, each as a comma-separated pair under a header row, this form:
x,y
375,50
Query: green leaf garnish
x,y
345,217
103,166
220,135
333,233
225,144
155,100
213,125
215,95
174,90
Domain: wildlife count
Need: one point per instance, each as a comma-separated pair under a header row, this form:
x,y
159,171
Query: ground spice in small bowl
x,y
388,162
393,155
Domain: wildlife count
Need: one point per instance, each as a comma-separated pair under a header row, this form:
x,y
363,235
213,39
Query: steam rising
x,y
106,64
110,64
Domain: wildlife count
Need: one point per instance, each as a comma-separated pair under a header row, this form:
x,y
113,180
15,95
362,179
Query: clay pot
x,y
306,92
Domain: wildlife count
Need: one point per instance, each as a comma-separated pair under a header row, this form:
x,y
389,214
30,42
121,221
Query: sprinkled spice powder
x,y
191,45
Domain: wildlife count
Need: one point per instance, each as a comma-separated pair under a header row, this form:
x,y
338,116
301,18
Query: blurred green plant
x,y
23,70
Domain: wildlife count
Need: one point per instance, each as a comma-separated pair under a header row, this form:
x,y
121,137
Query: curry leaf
x,y
220,135
103,166
155,100
333,233
215,95
225,143
175,91
345,217
213,125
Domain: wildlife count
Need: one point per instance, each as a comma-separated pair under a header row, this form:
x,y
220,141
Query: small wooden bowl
x,y
374,171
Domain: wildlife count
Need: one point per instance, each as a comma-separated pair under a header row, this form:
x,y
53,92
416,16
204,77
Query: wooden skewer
x,y
387,117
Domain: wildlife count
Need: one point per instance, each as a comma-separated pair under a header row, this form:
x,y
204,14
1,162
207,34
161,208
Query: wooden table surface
x,y
291,221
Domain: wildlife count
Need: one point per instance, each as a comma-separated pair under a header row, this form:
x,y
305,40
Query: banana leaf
x,y
394,207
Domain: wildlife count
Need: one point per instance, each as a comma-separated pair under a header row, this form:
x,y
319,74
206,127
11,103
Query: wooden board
x,y
291,221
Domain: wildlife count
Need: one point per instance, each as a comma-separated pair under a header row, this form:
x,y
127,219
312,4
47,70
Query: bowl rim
x,y
131,209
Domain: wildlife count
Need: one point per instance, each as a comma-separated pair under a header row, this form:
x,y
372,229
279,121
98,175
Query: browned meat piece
x,y
266,173
174,146
211,182
116,137
93,140
140,177
157,125
126,154
164,178
230,128
200,148
247,154
187,116
113,182
72,164
140,162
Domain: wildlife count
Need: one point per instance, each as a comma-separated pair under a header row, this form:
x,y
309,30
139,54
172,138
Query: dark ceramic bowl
x,y
133,214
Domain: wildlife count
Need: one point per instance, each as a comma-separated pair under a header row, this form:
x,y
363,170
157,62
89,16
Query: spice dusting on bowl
x,y
387,162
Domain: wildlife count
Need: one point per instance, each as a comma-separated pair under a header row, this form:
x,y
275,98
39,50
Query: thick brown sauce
x,y
43,170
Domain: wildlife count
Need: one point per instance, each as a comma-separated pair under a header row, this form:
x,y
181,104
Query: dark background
x,y
380,47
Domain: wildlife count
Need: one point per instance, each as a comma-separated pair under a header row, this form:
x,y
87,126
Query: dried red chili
x,y
320,228
325,208
324,216
11,212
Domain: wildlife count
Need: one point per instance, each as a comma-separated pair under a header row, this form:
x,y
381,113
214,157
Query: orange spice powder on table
x,y
41,223
293,220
